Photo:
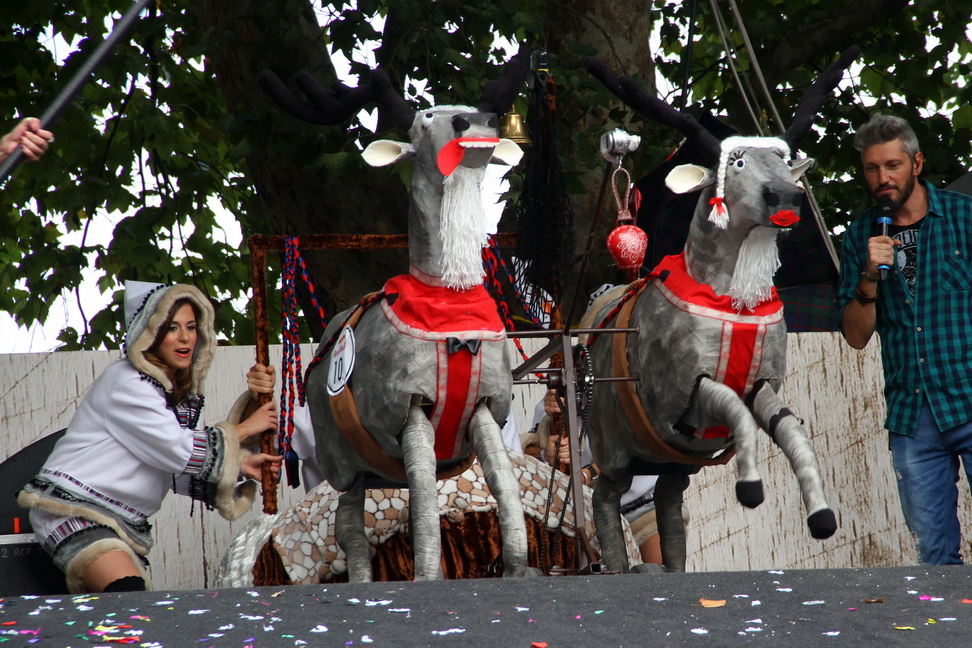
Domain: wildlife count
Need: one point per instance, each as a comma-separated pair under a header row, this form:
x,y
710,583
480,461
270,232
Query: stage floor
x,y
901,606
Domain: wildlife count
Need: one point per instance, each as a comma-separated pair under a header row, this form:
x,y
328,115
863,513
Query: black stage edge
x,y
900,606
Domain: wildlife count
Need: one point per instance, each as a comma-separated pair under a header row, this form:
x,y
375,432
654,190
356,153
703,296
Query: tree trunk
x,y
302,199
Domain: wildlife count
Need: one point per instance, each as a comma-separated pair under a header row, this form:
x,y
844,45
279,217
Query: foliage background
x,y
173,125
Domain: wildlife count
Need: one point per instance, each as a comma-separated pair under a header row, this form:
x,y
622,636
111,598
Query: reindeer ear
x,y
799,167
507,152
385,152
687,178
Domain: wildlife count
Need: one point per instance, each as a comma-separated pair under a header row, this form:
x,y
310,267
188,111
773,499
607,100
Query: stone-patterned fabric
x,y
305,540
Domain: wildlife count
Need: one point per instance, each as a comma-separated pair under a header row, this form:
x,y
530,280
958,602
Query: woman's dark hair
x,y
181,379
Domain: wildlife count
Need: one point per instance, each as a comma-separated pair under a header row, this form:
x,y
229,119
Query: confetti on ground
x,y
660,598
320,628
539,644
522,609
967,600
699,631
947,619
709,603
903,628
449,631
784,589
755,603
832,633
754,621
814,602
877,600
773,571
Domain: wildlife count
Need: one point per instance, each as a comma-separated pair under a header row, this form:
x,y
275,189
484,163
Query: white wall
x,y
835,388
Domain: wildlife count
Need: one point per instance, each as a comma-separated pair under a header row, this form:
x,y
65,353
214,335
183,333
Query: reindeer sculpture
x,y
710,351
431,379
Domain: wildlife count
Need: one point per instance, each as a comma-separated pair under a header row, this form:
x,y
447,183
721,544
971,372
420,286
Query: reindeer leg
x,y
788,433
671,525
606,504
720,405
418,441
349,531
488,443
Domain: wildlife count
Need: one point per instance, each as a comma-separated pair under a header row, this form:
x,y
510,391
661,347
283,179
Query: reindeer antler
x,y
627,90
339,103
814,97
499,94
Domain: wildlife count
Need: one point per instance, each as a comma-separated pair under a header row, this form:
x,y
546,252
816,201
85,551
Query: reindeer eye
x,y
789,163
427,119
740,163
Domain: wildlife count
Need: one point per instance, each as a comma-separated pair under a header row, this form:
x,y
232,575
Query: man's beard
x,y
900,196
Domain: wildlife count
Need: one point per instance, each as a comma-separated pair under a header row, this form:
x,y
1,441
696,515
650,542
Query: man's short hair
x,y
886,128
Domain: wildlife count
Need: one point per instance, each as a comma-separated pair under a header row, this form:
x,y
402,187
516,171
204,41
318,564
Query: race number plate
x,y
342,362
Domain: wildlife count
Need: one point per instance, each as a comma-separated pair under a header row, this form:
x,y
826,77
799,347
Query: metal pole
x,y
74,85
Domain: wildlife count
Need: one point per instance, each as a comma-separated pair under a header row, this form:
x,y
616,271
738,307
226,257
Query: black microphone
x,y
884,211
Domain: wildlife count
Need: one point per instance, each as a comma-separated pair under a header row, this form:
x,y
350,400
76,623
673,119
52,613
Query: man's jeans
x,y
927,468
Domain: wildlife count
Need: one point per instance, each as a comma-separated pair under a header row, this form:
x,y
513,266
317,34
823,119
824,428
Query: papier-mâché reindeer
x,y
710,352
431,381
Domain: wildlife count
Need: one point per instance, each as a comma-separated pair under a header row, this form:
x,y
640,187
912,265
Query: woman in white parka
x,y
135,436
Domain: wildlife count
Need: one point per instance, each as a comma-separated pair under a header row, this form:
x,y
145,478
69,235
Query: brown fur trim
x,y
32,500
77,567
529,439
206,340
233,499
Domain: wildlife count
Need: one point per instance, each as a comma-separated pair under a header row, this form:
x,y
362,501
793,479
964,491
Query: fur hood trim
x,y
150,317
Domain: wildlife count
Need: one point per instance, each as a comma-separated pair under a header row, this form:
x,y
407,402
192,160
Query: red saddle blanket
x,y
741,338
438,314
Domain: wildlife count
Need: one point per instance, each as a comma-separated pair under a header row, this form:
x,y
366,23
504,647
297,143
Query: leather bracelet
x,y
867,277
863,299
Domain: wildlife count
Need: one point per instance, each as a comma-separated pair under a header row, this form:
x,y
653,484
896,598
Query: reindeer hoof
x,y
750,493
823,524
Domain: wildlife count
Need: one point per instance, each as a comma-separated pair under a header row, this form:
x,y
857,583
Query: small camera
x,y
617,143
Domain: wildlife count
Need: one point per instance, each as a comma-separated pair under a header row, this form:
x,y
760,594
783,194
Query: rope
x,y
492,259
291,377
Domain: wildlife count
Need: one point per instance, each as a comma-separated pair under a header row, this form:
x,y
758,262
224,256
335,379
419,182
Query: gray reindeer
x,y
431,380
710,352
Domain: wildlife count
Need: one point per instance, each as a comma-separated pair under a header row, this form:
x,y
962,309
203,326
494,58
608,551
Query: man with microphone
x,y
905,273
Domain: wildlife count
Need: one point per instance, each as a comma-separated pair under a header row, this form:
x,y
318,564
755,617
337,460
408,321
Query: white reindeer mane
x,y
758,260
462,228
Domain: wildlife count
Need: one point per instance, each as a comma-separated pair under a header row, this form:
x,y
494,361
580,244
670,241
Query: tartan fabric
x,y
807,278
926,340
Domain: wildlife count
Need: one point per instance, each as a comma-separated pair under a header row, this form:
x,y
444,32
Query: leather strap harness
x,y
631,404
345,413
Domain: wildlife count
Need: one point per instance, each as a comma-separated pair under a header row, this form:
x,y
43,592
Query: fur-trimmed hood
x,y
147,308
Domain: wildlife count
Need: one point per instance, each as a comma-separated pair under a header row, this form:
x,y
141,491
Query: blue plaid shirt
x,y
926,339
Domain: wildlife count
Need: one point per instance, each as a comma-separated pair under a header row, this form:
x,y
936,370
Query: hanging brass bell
x,y
513,128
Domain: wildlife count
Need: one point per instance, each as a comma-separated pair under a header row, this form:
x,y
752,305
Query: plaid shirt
x,y
926,340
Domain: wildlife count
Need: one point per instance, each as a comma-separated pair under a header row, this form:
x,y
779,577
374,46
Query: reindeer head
x,y
749,184
451,146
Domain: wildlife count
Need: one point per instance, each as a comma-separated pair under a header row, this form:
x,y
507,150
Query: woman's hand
x,y
551,451
265,418
253,465
260,380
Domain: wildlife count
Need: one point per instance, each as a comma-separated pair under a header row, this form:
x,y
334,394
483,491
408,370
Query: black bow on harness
x,y
453,344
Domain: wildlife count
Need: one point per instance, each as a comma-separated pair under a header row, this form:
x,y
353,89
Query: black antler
x,y
499,94
627,90
339,103
814,97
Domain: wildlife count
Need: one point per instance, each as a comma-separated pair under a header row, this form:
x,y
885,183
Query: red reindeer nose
x,y
784,218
